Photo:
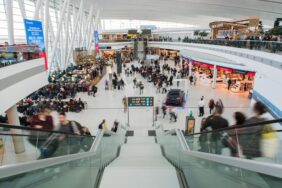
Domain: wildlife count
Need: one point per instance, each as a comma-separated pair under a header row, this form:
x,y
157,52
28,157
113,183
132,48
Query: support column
x,y
13,119
46,33
37,9
214,77
12,113
70,49
190,67
10,21
59,29
21,5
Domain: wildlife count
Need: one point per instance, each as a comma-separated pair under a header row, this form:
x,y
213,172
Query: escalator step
x,y
129,133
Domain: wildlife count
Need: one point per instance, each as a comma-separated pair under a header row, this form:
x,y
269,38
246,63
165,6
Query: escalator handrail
x,y
247,125
4,125
270,169
19,168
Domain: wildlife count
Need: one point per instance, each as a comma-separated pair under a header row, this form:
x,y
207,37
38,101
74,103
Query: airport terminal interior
x,y
140,94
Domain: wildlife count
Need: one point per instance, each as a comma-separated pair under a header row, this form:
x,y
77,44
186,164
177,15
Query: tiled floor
x,y
108,105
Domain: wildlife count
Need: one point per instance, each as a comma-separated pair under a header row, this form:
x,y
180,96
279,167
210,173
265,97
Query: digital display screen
x,y
146,31
132,32
140,101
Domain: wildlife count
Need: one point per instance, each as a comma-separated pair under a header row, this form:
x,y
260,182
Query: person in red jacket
x,y
43,120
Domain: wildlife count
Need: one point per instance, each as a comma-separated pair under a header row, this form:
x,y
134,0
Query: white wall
x,y
14,93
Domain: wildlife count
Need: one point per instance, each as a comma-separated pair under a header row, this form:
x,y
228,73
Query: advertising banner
x,y
34,35
96,38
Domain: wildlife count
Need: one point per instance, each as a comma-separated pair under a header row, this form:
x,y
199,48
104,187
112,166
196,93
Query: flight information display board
x,y
140,101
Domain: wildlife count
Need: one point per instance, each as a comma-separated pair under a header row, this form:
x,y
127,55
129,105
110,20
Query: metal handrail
x,y
15,169
247,125
270,169
5,125
274,170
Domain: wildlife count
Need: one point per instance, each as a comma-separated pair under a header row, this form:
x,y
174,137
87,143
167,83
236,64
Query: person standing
x,y
141,87
178,82
211,105
42,121
229,82
103,125
195,79
164,108
201,106
170,80
215,122
69,143
191,79
173,114
94,89
253,149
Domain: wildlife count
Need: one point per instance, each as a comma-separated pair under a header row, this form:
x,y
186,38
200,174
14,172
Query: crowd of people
x,y
59,95
244,141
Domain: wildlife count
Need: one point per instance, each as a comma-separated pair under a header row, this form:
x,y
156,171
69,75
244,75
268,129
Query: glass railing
x,y
202,170
260,141
13,54
266,46
21,144
79,170
115,40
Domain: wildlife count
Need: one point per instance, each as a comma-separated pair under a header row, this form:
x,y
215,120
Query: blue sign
x,y
34,33
96,36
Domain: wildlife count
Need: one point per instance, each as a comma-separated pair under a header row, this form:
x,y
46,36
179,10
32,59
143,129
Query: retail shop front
x,y
235,80
108,53
168,53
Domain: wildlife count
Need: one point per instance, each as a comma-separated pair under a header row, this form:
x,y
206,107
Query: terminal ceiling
x,y
195,12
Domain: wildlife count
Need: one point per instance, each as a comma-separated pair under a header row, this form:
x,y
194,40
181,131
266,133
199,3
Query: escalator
x,y
66,167
201,166
170,159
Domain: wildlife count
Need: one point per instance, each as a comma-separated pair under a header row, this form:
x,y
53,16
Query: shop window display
x,y
240,81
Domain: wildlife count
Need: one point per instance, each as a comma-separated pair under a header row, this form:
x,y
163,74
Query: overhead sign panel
x,y
140,101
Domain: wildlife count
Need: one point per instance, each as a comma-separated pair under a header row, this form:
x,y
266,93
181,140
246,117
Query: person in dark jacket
x,y
215,122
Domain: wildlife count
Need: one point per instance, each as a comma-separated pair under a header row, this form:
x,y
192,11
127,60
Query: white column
x,y
10,21
88,27
12,113
37,9
59,29
190,67
46,33
74,29
67,37
13,119
80,30
214,77
21,5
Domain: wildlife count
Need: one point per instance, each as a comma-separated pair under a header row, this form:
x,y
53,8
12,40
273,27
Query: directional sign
x,y
140,101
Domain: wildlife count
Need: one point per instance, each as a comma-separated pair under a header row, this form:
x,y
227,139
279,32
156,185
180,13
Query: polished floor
x,y
108,105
